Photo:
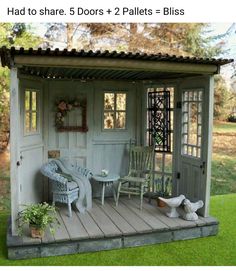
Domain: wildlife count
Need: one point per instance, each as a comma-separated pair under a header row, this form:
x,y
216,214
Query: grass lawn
x,y
224,158
224,127
223,180
216,250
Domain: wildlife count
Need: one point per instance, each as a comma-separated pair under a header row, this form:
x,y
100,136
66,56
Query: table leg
x,y
103,192
114,192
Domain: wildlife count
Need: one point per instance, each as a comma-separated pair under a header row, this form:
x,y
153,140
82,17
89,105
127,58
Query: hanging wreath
x,y
63,107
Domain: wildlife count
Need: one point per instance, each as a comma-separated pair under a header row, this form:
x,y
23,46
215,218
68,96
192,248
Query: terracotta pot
x,y
160,203
36,232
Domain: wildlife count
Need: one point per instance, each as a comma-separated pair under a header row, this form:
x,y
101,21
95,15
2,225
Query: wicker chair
x,y
140,173
65,183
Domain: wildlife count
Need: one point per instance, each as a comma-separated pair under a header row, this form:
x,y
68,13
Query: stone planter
x,y
36,231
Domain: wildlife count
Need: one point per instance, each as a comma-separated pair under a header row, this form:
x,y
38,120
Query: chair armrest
x,y
48,171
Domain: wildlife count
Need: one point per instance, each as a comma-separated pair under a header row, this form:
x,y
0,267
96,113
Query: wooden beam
x,y
116,64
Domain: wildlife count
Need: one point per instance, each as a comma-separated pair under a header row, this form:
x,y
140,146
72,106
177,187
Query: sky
x,y
220,28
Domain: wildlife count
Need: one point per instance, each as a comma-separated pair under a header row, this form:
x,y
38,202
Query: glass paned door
x,y
191,123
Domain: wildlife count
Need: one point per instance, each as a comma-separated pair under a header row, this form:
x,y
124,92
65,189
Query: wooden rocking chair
x,y
140,173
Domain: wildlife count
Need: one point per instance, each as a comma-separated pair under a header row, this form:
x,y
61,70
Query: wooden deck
x,y
109,227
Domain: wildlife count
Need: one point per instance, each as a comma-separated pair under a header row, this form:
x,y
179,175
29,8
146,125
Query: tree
x,y
223,98
18,35
173,38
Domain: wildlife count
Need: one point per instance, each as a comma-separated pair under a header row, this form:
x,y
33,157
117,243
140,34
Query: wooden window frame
x,y
114,111
30,111
188,144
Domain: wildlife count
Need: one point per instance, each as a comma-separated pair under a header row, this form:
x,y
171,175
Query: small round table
x,y
107,181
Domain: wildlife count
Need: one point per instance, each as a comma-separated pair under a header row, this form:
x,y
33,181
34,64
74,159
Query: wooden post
x,y
208,128
14,146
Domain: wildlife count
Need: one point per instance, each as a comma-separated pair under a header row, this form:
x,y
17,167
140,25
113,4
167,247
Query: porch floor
x,y
109,227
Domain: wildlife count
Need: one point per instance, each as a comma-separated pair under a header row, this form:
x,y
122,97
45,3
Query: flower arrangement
x,y
63,107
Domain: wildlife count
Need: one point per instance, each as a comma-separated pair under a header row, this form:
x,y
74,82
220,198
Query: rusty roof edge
x,y
8,54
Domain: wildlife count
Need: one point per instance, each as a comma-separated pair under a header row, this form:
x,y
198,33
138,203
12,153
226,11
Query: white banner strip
x,y
117,11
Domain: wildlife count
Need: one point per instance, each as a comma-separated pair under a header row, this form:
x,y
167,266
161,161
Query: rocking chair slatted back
x,y
141,161
140,173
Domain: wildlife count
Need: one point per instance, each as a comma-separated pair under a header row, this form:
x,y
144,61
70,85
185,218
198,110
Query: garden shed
x,y
118,99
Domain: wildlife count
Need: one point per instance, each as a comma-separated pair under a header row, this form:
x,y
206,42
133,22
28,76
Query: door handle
x,y
18,163
202,167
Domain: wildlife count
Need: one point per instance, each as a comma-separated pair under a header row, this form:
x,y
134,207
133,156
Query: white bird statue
x,y
173,203
190,209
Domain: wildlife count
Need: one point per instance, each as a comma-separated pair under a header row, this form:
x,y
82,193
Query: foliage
x,y
222,99
4,107
232,118
217,250
40,215
172,38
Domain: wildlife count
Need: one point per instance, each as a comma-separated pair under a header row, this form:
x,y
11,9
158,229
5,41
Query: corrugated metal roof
x,y
101,74
7,55
60,72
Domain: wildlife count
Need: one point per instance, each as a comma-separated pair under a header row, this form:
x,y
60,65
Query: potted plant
x,y
165,192
38,217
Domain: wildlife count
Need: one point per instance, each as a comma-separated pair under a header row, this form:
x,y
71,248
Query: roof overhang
x,y
106,65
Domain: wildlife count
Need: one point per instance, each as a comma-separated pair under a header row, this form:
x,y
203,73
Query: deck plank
x,y
198,222
73,225
61,233
117,219
208,220
172,224
48,237
151,220
182,222
104,222
89,224
135,221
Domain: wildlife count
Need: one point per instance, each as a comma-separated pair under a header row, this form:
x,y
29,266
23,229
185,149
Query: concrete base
x,y
17,250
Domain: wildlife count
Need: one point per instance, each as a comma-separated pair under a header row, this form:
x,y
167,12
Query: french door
x,y
193,142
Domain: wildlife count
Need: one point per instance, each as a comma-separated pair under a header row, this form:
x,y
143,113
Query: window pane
x,y
121,101
27,100
108,120
200,95
190,96
34,122
185,150
109,101
185,98
34,100
193,123
120,120
27,122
